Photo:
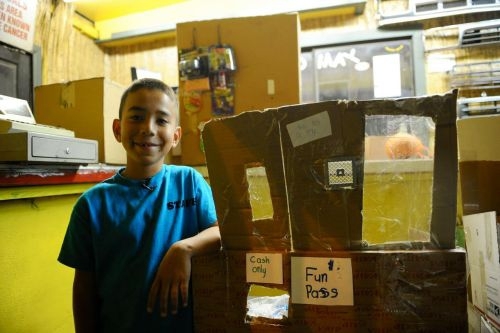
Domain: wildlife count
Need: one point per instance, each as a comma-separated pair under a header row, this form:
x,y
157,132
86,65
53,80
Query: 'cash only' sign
x,y
264,267
322,281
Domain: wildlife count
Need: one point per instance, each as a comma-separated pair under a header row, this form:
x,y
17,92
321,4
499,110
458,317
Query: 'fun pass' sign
x,y
17,23
322,281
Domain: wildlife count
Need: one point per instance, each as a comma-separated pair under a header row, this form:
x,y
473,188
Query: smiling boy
x,y
129,239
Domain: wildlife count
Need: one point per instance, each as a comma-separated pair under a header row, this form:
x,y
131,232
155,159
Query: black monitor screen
x,y
16,73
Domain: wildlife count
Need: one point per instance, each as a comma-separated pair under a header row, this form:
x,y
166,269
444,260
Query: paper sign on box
x,y
309,129
264,267
322,281
483,254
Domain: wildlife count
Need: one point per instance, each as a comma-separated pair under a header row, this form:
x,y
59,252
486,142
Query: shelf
x,y
434,13
18,175
479,75
478,106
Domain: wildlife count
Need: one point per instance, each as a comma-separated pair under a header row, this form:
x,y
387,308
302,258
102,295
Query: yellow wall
x,y
35,290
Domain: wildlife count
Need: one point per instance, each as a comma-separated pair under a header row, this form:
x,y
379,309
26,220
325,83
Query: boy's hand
x,y
171,280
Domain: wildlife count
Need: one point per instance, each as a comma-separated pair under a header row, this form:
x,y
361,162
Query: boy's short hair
x,y
150,83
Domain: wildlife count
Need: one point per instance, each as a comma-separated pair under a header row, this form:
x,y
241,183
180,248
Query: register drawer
x,y
36,147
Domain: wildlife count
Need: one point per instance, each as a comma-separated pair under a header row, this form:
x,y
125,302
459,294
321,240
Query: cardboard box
x,y
231,148
263,59
392,291
86,107
313,158
479,163
482,236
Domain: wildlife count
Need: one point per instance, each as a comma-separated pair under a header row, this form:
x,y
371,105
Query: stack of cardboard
x,y
479,161
307,250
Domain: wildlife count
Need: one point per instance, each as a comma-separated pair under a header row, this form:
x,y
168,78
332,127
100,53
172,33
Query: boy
x,y
131,237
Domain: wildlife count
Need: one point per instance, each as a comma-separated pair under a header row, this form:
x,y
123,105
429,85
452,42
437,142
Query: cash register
x,y
22,139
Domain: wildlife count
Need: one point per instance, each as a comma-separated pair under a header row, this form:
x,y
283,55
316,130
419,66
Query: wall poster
x,y
17,23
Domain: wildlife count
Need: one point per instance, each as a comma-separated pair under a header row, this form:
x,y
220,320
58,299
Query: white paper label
x,y
322,281
386,75
264,268
309,129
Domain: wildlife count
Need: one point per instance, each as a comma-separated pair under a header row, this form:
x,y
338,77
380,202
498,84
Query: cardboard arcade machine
x,y
288,189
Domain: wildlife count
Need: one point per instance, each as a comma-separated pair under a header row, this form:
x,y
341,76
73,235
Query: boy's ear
x,y
177,136
117,130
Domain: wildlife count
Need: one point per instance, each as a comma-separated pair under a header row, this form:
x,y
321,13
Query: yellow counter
x,y
35,289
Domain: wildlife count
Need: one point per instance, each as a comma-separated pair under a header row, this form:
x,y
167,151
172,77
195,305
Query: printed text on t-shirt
x,y
181,203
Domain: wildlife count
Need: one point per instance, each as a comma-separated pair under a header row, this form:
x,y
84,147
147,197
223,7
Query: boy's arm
x,y
85,302
171,283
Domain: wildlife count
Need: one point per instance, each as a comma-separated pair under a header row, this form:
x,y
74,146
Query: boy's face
x,y
147,129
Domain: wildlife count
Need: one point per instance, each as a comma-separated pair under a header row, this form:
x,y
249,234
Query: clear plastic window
x,y
259,193
398,177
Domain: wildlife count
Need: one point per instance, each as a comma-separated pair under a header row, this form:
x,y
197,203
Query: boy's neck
x,y
139,174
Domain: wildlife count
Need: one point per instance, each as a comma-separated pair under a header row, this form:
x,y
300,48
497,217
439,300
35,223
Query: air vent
x,y
480,33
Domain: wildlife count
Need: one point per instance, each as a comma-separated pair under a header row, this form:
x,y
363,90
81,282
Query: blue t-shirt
x,y
121,229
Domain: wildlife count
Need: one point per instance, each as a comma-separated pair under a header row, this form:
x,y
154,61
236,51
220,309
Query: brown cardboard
x,y
265,48
232,148
479,163
394,291
321,216
86,107
209,300
311,205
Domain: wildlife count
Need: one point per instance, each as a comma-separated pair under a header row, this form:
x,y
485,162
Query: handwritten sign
x,y
322,281
309,129
17,23
264,267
